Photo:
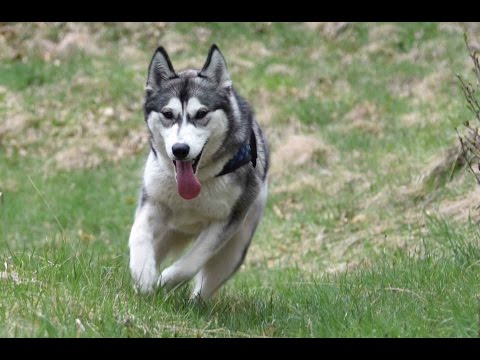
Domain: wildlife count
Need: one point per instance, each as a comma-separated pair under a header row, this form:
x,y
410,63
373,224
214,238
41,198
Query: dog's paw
x,y
145,279
142,288
197,299
172,277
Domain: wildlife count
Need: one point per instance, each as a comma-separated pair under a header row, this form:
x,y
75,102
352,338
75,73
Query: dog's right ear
x,y
159,70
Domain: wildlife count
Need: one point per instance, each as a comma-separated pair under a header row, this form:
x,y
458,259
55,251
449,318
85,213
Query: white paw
x,y
145,277
197,298
172,277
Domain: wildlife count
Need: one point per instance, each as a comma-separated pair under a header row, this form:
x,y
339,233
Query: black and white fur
x,y
222,219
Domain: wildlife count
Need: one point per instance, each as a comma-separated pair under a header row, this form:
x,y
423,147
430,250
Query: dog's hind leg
x,y
212,241
230,257
222,266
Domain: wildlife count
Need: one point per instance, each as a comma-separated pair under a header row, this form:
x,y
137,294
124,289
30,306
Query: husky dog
x,y
204,179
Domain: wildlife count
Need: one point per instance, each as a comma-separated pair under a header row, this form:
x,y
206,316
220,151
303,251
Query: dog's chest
x,y
192,216
214,203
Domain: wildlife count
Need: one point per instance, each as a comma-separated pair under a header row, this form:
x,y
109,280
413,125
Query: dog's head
x,y
189,114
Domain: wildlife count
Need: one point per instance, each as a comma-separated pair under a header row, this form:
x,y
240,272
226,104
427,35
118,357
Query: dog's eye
x,y
167,114
201,114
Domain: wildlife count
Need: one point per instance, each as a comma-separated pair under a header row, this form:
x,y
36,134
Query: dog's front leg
x,y
143,266
209,242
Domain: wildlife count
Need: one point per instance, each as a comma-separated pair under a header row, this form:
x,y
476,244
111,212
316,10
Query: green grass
x,y
435,296
352,243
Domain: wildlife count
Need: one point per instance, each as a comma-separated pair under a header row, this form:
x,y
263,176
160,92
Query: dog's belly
x,y
192,217
187,222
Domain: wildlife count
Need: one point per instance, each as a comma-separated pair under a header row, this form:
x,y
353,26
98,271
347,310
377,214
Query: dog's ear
x,y
159,70
215,68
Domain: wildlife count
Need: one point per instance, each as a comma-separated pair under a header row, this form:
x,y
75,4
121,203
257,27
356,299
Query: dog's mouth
x,y
194,162
188,185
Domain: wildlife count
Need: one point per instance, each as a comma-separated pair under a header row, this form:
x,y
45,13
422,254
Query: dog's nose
x,y
180,150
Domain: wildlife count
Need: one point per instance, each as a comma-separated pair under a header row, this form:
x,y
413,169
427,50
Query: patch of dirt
x,y
366,118
10,276
253,49
462,209
6,51
342,179
400,86
96,136
303,182
8,185
313,25
174,42
423,51
60,40
13,125
330,30
297,150
341,89
49,41
438,172
244,56
343,267
15,121
265,111
77,157
11,101
279,69
70,43
472,29
416,119
381,39
139,58
412,119
203,34
13,276
426,91
384,33
91,151
288,250
64,137
421,90
322,87
237,65
451,28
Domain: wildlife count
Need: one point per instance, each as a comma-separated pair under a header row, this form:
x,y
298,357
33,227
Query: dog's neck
x,y
247,153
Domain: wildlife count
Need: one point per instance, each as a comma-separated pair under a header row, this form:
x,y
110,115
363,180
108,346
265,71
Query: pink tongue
x,y
187,183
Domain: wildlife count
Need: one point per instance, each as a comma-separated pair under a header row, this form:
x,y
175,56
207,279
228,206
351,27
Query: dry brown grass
x,y
108,132
364,117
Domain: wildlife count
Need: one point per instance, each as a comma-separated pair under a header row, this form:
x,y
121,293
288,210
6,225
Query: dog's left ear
x,y
215,68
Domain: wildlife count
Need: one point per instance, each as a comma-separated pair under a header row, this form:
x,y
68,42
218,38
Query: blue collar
x,y
247,153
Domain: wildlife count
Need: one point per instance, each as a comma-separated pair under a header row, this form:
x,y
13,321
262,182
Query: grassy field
x,y
371,229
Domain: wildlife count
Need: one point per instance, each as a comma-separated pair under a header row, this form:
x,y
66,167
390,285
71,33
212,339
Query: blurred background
x,y
357,115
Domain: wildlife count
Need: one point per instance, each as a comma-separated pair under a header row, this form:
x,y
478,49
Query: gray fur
x,y
222,220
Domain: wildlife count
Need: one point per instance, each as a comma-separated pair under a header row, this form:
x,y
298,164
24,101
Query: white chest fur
x,y
213,204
